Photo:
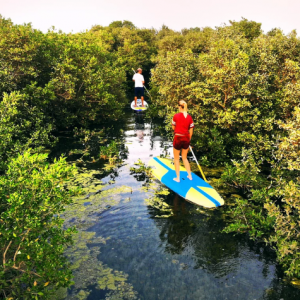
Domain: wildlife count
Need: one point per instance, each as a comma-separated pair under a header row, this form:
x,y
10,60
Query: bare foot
x,y
176,179
190,177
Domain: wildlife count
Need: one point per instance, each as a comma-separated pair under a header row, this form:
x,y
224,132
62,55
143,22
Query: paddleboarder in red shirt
x,y
183,127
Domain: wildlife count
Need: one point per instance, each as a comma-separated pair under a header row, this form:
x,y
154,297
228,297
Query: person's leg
x,y
142,96
135,96
186,163
176,163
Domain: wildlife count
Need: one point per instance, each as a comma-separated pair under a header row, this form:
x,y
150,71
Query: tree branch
x,y
4,255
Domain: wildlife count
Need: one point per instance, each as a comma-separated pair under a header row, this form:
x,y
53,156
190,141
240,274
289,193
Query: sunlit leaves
x,y
32,239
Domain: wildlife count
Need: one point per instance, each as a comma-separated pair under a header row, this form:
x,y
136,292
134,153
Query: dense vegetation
x,y
242,88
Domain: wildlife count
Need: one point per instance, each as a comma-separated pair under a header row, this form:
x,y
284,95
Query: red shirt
x,y
182,124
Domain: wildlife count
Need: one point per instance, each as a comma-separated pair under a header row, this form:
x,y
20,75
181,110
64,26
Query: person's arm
x,y
191,130
174,122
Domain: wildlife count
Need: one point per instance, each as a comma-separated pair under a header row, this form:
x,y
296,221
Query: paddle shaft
x,y
143,85
198,165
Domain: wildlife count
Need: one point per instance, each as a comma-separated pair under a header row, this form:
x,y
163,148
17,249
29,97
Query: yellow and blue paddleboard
x,y
139,106
196,191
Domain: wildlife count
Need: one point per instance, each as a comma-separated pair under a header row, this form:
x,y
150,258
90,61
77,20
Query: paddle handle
x,y
198,165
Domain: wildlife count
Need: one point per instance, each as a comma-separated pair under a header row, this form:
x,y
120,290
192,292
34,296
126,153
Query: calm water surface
x,y
184,256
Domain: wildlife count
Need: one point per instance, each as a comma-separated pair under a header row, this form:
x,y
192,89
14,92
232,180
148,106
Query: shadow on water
x,y
184,256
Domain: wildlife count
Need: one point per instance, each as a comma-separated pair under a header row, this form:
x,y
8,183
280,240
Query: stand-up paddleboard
x,y
196,191
139,105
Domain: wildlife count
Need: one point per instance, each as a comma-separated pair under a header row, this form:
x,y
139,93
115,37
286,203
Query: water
x,y
184,256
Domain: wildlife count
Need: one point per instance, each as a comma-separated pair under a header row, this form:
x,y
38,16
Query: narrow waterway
x,y
184,256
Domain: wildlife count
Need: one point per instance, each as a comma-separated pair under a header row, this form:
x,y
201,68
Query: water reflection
x,y
189,231
175,232
139,126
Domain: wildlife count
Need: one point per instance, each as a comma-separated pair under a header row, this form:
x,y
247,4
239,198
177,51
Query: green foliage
x,y
32,241
272,208
286,227
131,46
121,24
242,88
238,86
21,55
171,42
70,79
111,152
286,177
90,140
86,82
141,169
194,39
21,126
94,148
250,29
249,218
245,174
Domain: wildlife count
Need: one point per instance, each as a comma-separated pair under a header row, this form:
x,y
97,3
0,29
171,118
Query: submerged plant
x,y
157,202
95,149
141,169
110,150
112,153
90,140
83,255
156,192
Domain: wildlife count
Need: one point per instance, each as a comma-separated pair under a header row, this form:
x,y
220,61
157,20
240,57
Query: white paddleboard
x,y
139,106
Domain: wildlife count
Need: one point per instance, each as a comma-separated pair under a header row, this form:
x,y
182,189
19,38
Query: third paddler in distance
x,y
139,82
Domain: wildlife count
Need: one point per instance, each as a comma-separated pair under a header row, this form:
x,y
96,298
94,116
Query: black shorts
x,y
139,91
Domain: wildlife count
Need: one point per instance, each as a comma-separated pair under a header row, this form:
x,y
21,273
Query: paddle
x,y
143,85
198,165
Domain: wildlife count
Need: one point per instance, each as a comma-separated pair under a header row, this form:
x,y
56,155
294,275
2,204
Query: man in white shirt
x,y
139,82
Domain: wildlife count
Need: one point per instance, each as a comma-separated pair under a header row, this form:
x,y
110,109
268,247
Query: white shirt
x,y
138,80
